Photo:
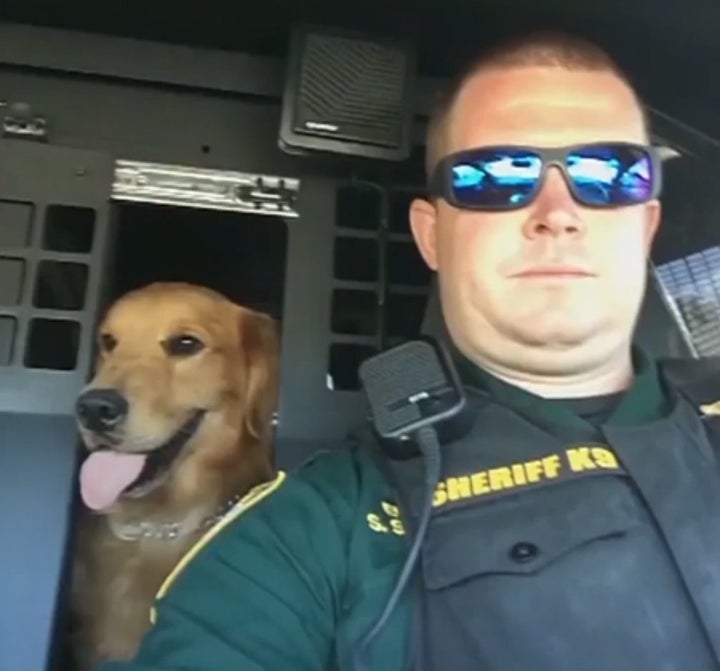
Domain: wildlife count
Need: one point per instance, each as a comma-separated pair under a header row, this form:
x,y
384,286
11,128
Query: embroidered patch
x,y
388,521
567,464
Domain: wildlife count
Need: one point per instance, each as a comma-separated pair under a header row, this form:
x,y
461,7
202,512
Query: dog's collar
x,y
168,531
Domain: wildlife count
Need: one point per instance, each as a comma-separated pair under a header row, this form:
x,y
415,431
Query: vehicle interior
x,y
163,141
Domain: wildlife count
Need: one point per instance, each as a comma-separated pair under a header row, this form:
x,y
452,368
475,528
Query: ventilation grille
x,y
380,283
693,283
352,90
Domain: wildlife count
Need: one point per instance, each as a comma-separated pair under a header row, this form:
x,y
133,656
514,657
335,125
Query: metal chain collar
x,y
135,531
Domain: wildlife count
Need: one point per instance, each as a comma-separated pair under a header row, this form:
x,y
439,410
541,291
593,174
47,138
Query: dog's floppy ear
x,y
259,344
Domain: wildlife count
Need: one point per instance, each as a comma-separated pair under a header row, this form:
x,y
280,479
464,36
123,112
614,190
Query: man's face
x,y
505,297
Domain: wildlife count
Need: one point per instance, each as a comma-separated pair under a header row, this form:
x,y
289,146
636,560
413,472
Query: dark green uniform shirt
x,y
301,572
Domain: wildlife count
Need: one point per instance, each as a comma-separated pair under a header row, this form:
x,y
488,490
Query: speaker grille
x,y
403,371
393,377
351,89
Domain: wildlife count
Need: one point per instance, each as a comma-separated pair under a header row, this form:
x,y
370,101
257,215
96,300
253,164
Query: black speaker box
x,y
347,93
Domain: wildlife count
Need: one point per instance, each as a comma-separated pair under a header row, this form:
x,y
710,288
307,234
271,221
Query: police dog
x,y
177,421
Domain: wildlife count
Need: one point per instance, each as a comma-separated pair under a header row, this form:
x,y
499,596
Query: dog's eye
x,y
107,342
183,345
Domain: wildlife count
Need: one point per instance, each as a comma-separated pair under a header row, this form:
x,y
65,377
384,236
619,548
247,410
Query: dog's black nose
x,y
101,409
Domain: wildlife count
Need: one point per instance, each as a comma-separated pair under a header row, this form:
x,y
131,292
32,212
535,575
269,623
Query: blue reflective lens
x,y
607,175
496,177
612,175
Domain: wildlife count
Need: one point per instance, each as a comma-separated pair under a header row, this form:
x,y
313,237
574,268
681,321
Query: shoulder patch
x,y
252,498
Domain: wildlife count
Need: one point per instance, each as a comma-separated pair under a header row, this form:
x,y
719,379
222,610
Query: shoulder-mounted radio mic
x,y
411,389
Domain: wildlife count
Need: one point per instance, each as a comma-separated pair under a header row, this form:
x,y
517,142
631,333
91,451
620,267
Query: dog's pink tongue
x,y
104,475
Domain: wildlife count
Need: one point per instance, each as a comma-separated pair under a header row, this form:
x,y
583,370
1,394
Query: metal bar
x,y
85,53
205,188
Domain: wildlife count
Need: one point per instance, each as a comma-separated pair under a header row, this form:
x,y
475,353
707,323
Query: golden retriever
x,y
178,424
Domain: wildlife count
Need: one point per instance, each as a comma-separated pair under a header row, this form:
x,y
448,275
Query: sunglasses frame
x,y
440,184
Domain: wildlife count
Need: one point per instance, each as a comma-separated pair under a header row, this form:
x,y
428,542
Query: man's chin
x,y
554,335
561,353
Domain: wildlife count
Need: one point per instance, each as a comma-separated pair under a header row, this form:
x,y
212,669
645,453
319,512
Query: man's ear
x,y
260,346
423,220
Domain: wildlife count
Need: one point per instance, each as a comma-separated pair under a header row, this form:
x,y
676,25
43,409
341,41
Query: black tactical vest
x,y
598,552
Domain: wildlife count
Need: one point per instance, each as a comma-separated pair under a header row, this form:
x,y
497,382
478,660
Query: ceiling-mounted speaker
x,y
348,94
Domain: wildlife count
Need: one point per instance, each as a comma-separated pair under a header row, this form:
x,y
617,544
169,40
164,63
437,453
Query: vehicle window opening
x,y
241,255
687,252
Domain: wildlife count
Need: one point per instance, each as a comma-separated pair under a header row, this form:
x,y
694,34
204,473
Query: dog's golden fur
x,y
233,379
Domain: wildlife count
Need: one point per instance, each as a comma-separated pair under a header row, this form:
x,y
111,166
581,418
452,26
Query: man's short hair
x,y
547,48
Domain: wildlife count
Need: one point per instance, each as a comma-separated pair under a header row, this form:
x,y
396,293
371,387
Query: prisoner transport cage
x,y
107,183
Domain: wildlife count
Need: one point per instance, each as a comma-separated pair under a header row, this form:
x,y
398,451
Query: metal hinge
x,y
20,121
205,188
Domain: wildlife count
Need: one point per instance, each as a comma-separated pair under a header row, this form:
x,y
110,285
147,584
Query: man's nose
x,y
554,212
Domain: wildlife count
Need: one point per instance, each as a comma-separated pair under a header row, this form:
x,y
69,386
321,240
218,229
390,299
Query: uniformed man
x,y
577,522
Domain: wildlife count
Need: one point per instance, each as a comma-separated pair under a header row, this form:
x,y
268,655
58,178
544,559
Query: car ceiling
x,y
671,48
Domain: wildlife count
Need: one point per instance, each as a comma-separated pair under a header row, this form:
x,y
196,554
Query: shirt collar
x,y
645,400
